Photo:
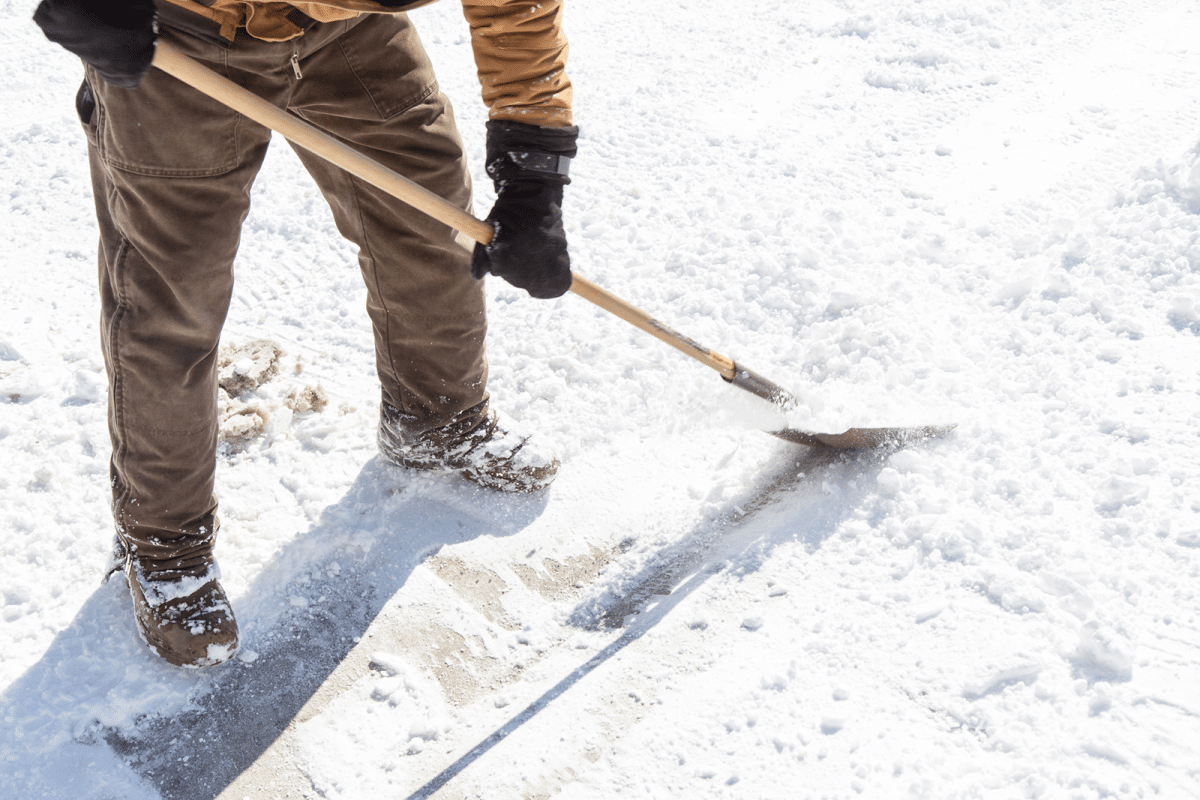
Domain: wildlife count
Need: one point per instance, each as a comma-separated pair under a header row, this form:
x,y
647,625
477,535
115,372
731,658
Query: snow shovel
x,y
199,77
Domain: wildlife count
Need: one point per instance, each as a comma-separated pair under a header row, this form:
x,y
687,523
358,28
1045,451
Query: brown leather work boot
x,y
184,618
479,445
187,621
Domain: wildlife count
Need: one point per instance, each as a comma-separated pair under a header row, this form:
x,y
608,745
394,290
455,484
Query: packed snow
x,y
905,213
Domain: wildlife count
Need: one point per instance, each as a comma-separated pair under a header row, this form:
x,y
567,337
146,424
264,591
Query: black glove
x,y
528,164
114,36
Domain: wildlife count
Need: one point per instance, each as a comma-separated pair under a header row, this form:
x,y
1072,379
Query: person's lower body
x,y
171,172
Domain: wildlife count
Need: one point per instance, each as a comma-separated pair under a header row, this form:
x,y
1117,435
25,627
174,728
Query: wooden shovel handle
x,y
199,77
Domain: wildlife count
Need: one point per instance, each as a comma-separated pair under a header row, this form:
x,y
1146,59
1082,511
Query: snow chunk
x,y
753,622
220,653
247,366
1184,310
910,461
1105,751
1183,178
862,27
996,680
890,481
90,386
1105,650
1011,591
309,398
832,724
926,611
1017,290
1117,492
9,352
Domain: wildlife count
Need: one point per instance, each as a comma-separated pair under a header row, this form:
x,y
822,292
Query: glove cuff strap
x,y
542,163
547,163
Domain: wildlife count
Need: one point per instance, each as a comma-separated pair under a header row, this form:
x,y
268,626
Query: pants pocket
x,y
164,128
386,58
85,104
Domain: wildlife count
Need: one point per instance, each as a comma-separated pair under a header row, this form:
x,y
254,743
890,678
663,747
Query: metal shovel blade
x,y
851,439
866,438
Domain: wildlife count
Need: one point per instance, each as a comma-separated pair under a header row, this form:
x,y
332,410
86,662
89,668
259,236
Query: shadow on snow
x,y
813,476
354,560
358,556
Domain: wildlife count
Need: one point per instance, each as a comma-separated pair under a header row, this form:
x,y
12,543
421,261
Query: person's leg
x,y
171,173
427,311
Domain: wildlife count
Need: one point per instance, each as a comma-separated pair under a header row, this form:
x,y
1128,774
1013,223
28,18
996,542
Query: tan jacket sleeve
x,y
521,56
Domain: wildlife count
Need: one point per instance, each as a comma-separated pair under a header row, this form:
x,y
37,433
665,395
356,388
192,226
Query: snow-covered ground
x,y
938,211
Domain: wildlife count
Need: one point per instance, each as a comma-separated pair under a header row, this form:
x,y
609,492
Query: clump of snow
x,y
246,366
158,592
1106,650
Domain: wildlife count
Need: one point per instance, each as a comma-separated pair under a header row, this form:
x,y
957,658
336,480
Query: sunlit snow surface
x,y
905,213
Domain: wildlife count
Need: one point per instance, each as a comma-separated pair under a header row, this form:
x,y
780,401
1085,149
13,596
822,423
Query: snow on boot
x,y
480,445
185,619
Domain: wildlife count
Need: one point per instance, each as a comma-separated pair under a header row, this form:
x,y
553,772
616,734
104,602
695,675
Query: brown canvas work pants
x,y
172,171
